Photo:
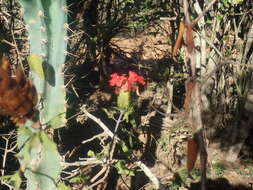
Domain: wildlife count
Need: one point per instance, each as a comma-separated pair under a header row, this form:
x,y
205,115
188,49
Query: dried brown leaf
x,y
179,39
18,96
192,154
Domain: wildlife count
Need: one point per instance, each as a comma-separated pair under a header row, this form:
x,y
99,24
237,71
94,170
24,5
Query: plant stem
x,y
113,144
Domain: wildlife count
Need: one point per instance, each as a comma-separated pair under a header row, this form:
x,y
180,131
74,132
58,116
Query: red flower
x,y
126,83
117,80
133,77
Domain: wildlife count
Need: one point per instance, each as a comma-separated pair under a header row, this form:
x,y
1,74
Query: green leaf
x,y
133,122
122,169
14,180
123,100
130,139
128,112
76,180
90,153
35,64
62,186
81,178
109,113
124,147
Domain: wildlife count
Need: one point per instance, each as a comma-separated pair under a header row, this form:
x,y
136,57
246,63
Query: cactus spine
x,y
45,22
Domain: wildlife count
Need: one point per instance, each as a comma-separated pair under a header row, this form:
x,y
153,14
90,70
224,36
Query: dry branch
x,y
98,121
150,175
9,148
203,12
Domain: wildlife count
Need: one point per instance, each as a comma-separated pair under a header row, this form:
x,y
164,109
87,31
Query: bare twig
x,y
224,62
203,53
101,172
16,48
150,175
94,137
170,98
99,181
186,12
115,135
168,18
106,168
7,150
9,186
7,42
211,45
203,12
71,174
86,162
98,121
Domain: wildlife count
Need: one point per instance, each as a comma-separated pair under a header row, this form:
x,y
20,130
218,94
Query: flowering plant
x,y
125,85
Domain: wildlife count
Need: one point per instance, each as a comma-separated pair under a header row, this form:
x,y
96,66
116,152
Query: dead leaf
x,y
179,39
18,96
192,154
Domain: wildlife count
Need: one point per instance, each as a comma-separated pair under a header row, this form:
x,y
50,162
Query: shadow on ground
x,y
220,183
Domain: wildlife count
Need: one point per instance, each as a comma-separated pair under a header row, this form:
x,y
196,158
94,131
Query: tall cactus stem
x,y
45,22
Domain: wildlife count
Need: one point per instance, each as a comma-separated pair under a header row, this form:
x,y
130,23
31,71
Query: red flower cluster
x,y
126,83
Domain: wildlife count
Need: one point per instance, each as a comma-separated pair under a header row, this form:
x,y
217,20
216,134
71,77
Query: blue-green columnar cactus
x,y
46,22
39,159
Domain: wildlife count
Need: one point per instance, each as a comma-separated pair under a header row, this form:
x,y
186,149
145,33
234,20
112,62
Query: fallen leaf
x,y
192,154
